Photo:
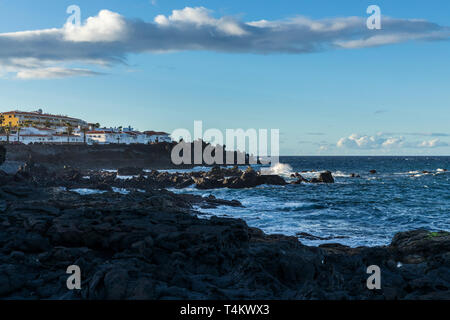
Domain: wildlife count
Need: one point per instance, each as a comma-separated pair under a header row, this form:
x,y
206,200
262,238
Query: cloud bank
x,y
380,141
109,37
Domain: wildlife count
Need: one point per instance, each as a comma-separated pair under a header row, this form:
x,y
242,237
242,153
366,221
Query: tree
x,y
84,130
69,130
2,119
8,132
19,128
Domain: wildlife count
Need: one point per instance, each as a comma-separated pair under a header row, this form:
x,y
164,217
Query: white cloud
x,y
200,17
356,141
108,38
434,143
106,27
393,143
52,73
380,141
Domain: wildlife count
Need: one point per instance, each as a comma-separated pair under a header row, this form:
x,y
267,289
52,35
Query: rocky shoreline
x,y
150,243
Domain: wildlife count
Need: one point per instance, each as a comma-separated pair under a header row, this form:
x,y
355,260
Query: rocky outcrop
x,y
130,171
110,156
247,179
151,246
324,177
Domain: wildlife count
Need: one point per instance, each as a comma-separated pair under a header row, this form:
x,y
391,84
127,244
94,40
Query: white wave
x,y
281,169
85,191
126,177
341,174
120,190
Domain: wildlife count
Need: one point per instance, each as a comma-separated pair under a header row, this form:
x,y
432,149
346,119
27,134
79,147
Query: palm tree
x,y
2,119
8,132
84,130
19,128
69,130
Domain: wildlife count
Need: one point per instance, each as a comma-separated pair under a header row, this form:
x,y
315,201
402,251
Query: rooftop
x,y
36,113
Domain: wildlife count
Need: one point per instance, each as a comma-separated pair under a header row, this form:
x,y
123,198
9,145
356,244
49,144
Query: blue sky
x,y
387,99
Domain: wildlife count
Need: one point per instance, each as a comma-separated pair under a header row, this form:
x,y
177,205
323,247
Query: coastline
x,y
151,244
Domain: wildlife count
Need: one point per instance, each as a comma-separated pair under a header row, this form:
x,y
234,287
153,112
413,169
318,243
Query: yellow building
x,y
37,118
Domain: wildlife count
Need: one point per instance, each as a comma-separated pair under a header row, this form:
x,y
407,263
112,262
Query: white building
x,y
155,136
59,135
110,136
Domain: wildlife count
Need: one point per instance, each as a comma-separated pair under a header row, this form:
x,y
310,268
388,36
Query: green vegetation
x,y
438,234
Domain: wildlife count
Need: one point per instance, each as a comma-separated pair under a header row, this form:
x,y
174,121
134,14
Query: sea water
x,y
356,211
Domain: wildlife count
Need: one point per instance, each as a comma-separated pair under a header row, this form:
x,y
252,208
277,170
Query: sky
x,y
311,69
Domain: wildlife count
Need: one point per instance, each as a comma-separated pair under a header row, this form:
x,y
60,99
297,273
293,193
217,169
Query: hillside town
x,y
37,127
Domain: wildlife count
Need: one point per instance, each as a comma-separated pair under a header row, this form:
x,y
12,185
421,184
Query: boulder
x,y
207,183
272,180
324,177
232,172
300,179
215,173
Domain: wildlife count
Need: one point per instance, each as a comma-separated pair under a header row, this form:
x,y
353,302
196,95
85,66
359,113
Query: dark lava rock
x,y
2,154
130,171
300,179
151,244
232,172
208,183
324,177
272,180
216,178
215,173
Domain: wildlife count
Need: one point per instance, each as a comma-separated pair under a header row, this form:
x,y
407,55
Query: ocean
x,y
365,211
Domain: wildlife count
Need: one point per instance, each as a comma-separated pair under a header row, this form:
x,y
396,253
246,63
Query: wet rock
x,y
215,173
208,183
130,171
152,245
324,177
272,180
232,172
373,171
